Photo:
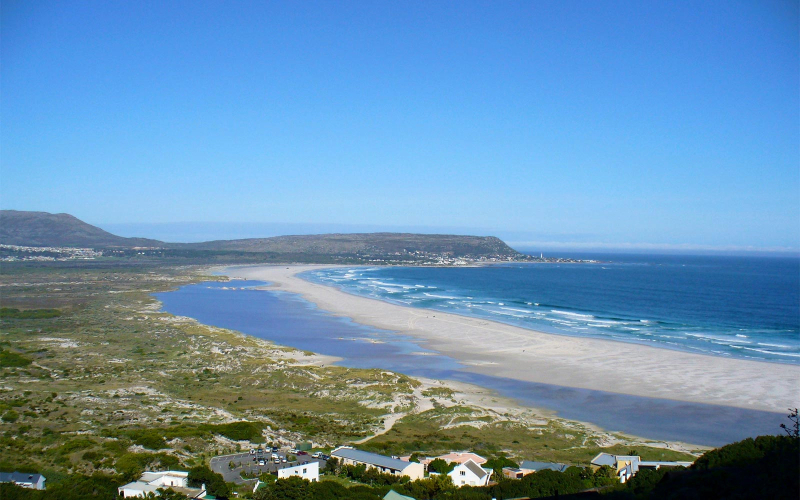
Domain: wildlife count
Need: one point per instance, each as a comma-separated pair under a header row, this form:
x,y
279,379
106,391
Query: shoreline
x,y
501,350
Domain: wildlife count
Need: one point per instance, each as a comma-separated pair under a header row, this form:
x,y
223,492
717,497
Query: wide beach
x,y
511,352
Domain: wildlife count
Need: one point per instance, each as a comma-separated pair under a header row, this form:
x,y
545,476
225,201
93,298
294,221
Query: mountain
x,y
42,229
64,230
367,244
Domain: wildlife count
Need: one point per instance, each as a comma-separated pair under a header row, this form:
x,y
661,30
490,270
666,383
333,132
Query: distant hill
x,y
367,244
38,229
42,229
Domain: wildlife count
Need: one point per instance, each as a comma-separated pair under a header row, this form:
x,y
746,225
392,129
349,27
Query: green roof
x,y
393,495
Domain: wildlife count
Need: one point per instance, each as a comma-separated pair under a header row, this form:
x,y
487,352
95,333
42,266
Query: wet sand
x,y
501,350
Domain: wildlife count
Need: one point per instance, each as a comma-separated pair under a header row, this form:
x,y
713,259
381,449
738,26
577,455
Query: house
x,y
537,466
308,470
626,466
658,465
458,457
514,473
24,479
528,467
470,474
150,482
388,465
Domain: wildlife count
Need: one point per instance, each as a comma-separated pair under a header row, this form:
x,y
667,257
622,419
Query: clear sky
x,y
588,123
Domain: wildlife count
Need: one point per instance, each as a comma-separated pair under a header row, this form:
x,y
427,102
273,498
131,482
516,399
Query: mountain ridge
x,y
64,230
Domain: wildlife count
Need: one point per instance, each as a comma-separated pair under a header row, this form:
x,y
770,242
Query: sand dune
x,y
502,350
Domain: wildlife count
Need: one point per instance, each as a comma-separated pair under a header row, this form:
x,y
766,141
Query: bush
x,y
10,359
11,313
150,439
10,416
215,483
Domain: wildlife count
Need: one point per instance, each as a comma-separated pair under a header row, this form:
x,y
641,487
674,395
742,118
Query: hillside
x,y
376,244
42,229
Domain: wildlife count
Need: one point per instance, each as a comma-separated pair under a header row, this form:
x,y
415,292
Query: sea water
x,y
744,307
287,319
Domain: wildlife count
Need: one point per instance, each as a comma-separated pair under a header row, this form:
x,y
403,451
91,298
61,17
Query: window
x,y
463,473
304,471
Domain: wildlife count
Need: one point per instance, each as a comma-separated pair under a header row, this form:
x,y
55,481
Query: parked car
x,y
316,454
252,451
294,451
262,462
302,453
274,449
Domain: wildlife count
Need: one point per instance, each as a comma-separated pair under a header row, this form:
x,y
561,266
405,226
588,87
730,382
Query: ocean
x,y
670,295
743,307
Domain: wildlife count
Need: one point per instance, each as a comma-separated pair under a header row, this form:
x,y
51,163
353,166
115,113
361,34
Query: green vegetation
x,y
113,386
13,313
215,483
764,467
436,431
12,359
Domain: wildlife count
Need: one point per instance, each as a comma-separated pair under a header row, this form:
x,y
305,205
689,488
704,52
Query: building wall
x,y
308,471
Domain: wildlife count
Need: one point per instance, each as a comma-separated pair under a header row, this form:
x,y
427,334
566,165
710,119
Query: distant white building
x,y
470,474
24,479
308,471
150,482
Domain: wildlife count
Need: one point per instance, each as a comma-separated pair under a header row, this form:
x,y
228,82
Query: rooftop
x,y
370,458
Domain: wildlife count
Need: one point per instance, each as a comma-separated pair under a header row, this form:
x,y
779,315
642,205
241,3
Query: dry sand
x,y
502,350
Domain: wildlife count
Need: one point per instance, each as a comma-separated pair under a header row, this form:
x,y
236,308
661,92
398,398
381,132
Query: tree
x,y
497,464
291,488
440,466
793,429
215,483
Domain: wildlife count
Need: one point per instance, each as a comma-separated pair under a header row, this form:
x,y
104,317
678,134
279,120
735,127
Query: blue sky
x,y
586,124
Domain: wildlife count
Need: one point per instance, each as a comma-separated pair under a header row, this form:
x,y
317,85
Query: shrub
x,y
10,416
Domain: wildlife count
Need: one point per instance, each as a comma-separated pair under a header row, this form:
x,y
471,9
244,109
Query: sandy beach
x,y
502,350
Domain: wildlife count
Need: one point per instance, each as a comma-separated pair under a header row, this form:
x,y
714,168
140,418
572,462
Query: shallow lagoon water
x,y
287,319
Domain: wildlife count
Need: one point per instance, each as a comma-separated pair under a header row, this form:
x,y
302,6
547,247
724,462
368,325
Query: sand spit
x,y
501,350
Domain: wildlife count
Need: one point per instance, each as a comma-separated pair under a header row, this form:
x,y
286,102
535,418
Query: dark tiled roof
x,y
476,469
19,477
370,458
537,466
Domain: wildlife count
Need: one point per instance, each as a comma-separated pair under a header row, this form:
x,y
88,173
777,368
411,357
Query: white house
x,y
470,474
308,471
387,465
32,481
150,482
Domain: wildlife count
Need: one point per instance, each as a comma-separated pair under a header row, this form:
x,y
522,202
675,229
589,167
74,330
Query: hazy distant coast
x,y
506,351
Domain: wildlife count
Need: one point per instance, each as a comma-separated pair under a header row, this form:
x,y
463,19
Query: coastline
x,y
501,350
